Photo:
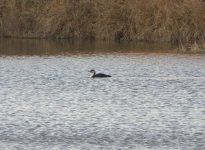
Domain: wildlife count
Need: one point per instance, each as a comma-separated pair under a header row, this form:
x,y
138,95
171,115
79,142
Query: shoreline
x,y
96,46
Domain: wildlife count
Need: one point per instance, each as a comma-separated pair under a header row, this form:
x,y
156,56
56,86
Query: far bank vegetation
x,y
144,20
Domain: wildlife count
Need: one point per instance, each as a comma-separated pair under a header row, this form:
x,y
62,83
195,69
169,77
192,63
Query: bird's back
x,y
101,75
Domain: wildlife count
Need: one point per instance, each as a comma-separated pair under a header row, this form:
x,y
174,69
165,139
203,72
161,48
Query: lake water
x,y
155,100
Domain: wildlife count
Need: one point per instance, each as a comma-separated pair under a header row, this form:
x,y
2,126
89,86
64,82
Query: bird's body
x,y
98,75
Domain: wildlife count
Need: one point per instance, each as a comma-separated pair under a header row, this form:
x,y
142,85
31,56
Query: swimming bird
x,y
98,75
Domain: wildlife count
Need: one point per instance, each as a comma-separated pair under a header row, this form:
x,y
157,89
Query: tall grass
x,y
147,20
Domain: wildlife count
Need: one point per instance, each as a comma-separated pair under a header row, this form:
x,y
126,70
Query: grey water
x,y
155,100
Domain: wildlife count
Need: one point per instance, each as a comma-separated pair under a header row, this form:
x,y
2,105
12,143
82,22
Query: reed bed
x,y
144,20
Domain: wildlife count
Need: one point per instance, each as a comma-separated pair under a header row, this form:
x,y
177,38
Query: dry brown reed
x,y
147,20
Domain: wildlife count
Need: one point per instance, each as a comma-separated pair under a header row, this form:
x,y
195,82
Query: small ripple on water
x,y
50,103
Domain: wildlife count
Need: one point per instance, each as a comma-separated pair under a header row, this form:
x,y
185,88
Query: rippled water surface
x,y
153,101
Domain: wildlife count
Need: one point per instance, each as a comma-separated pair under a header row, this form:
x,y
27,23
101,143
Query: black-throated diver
x,y
98,75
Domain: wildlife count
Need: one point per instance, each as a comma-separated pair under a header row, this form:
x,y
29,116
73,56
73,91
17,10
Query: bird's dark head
x,y
92,71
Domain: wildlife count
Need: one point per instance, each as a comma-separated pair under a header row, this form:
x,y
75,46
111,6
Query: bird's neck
x,y
93,74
